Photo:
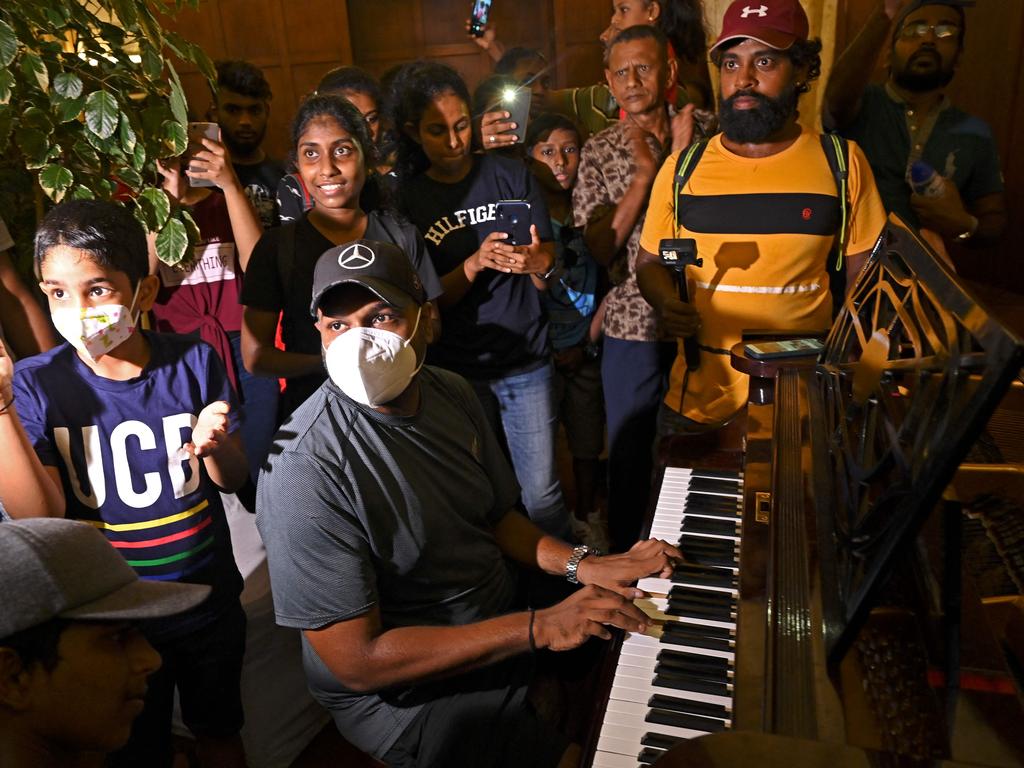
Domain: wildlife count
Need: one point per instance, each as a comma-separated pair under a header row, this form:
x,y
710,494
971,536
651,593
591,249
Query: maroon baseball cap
x,y
776,23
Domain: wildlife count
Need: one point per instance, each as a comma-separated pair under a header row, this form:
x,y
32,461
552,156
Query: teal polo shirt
x,y
960,147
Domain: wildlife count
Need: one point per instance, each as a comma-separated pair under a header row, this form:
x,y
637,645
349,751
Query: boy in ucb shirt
x,y
134,433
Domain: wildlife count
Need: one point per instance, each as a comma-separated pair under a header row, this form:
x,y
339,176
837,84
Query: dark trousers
x,y
634,375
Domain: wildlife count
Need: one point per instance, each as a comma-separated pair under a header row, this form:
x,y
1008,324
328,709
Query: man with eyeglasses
x,y
909,119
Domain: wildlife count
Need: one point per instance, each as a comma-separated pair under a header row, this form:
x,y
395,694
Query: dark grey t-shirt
x,y
360,509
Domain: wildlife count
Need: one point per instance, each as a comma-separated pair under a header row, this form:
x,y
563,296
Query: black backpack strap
x,y
685,165
836,151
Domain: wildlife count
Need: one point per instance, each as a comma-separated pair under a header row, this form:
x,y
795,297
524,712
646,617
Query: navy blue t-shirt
x,y
117,445
498,328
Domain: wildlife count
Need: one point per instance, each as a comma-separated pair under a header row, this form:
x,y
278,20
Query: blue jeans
x,y
634,375
522,407
259,410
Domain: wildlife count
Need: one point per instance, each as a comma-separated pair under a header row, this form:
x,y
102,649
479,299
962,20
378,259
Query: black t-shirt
x,y
260,183
498,328
263,287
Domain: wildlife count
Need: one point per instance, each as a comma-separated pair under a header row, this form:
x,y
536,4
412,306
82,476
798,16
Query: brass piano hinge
x,y
762,506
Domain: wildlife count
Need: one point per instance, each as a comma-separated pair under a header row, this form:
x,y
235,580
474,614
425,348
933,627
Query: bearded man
x,y
909,119
763,206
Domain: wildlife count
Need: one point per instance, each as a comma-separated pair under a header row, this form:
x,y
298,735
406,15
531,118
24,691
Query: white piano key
x,y
655,608
613,760
632,685
664,586
616,718
650,652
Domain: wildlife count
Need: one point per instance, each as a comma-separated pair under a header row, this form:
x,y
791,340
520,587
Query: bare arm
x,y
27,488
27,329
262,357
245,224
456,284
852,71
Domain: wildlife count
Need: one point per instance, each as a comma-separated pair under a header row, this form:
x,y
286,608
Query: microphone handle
x,y
691,352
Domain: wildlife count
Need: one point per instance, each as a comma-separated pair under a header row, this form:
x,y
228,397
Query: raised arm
x,y
27,487
262,357
27,329
852,71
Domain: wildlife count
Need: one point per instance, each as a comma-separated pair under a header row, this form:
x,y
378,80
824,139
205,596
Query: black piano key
x,y
685,593
659,740
691,543
712,525
697,610
724,512
713,577
710,558
648,756
709,486
681,704
694,684
698,629
695,659
681,720
697,641
691,670
723,474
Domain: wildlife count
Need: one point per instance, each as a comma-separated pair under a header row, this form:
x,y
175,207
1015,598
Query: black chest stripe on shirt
x,y
790,213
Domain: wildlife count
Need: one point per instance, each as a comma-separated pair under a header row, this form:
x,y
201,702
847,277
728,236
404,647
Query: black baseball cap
x,y
381,268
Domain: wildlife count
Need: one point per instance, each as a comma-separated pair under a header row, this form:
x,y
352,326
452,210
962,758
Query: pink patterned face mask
x,y
95,331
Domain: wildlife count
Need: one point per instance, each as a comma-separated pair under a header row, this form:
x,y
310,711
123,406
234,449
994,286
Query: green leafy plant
x,y
89,100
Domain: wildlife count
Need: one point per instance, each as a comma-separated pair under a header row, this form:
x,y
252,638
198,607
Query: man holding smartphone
x,y
617,169
765,209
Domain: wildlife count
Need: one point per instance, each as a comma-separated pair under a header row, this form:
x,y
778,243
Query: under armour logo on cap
x,y
748,11
775,23
356,256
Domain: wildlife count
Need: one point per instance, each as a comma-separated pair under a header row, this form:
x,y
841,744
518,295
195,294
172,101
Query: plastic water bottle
x,y
925,180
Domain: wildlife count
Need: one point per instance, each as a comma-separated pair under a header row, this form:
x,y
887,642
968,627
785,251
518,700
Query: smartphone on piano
x,y
768,350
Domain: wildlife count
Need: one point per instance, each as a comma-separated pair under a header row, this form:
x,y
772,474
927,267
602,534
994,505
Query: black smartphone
x,y
516,101
513,218
478,17
766,350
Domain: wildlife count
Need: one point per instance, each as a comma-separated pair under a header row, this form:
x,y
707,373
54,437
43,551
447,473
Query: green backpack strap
x,y
837,153
685,166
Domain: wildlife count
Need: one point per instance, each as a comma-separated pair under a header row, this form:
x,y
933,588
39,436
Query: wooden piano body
x,y
844,466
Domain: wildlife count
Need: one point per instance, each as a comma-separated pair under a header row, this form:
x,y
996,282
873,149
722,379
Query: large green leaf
x,y
35,71
108,146
87,156
191,228
82,192
179,107
102,114
8,44
153,207
33,145
130,176
37,118
126,12
152,62
66,110
175,138
126,135
138,158
55,181
6,86
172,243
68,85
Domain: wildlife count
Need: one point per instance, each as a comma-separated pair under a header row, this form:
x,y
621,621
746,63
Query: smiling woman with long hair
x,y
332,148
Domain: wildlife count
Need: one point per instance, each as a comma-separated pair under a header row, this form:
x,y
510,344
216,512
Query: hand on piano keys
x,y
653,558
675,679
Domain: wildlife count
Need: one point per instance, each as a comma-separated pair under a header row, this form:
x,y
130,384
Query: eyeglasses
x,y
921,28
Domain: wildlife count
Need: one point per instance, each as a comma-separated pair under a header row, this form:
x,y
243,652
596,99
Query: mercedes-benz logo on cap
x,y
356,256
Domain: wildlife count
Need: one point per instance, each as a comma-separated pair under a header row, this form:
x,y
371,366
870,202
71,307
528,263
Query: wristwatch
x,y
578,553
966,235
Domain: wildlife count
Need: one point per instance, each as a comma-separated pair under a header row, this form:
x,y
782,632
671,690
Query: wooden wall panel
x,y
293,44
577,26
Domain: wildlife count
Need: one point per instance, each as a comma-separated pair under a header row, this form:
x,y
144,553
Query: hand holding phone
x,y
513,218
478,17
196,133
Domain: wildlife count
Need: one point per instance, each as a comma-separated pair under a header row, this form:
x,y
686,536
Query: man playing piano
x,y
765,208
387,511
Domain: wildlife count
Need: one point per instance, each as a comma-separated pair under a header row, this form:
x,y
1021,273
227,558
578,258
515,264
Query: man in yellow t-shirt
x,y
763,207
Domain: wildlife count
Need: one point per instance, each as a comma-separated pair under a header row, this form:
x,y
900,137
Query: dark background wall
x,y
295,43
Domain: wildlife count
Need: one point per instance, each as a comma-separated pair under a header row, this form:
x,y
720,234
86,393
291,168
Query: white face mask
x,y
370,365
95,331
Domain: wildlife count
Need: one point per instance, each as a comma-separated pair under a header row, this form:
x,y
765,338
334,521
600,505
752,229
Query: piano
x,y
821,556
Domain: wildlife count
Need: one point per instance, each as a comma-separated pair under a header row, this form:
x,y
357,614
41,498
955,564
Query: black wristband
x,y
7,404
533,642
